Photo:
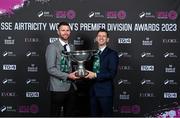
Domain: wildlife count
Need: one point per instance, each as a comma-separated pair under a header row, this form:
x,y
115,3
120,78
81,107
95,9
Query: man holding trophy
x,y
61,86
105,66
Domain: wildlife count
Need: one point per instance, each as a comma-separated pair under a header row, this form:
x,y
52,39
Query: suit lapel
x,y
104,53
59,45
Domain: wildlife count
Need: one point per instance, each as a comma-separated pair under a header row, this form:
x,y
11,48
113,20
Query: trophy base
x,y
81,74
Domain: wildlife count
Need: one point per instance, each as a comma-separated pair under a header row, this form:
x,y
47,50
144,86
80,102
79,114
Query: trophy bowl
x,y
80,56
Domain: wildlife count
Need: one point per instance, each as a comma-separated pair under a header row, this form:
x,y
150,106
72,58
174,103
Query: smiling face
x,y
102,39
64,32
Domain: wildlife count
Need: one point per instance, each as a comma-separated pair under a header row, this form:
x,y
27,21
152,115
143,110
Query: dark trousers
x,y
101,106
63,103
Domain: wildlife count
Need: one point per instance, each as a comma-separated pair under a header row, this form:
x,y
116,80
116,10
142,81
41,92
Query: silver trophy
x,y
80,57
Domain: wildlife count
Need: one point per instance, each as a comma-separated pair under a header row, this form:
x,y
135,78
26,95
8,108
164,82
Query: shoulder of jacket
x,y
112,51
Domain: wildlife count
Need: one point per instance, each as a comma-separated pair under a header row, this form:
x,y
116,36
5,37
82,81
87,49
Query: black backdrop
x,y
145,34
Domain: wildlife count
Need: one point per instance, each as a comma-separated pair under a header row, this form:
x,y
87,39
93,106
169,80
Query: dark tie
x,y
65,49
99,52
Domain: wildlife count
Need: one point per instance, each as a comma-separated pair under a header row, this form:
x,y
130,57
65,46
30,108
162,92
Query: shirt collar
x,y
102,49
62,42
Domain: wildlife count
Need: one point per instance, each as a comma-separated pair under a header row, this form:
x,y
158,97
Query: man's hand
x,y
91,75
72,76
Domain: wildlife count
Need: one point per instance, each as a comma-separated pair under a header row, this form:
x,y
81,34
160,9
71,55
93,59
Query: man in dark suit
x,y
61,86
104,70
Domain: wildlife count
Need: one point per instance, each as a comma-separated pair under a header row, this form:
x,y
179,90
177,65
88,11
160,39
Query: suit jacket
x,y
103,84
58,79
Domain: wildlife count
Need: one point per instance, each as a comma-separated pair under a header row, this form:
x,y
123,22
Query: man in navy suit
x,y
105,66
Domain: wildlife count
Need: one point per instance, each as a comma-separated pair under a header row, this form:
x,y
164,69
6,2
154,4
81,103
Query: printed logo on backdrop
x,y
124,40
121,14
8,54
124,82
31,40
9,41
6,81
125,68
95,14
124,96
170,15
44,14
147,55
170,82
124,55
147,67
170,69
8,94
7,108
30,81
146,95
78,41
32,68
34,108
53,39
65,14
169,55
9,67
32,94
144,14
146,82
134,109
169,41
32,54
147,42
170,95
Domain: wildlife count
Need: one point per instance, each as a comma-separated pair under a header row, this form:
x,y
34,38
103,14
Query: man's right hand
x,y
72,76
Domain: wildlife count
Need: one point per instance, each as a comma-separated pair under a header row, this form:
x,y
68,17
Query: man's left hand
x,y
90,75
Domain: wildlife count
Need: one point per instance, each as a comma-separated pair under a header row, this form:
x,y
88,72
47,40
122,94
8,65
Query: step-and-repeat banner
x,y
145,34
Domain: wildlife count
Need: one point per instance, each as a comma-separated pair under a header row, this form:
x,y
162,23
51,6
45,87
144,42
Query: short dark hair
x,y
63,23
103,30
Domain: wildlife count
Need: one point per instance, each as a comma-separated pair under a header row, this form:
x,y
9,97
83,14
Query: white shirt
x,y
64,43
102,49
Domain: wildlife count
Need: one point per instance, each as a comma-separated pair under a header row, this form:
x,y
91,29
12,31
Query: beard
x,y
64,38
